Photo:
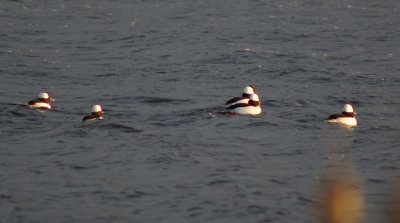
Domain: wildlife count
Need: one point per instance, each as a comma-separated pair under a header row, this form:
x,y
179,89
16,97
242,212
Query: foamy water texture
x,y
162,71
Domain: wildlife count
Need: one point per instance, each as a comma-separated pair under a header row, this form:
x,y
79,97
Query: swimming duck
x,y
42,102
347,117
252,107
247,92
97,114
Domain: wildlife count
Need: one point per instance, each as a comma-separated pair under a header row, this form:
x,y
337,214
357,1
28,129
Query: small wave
x,y
80,167
256,209
82,130
159,100
178,17
128,39
274,103
109,126
280,182
178,118
376,181
305,200
385,128
292,153
107,75
218,182
137,194
262,123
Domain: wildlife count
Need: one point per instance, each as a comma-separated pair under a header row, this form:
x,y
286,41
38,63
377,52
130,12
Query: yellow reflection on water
x,y
341,199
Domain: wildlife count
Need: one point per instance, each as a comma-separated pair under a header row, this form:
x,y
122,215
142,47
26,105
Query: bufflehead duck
x,y
347,117
247,92
42,102
252,107
97,113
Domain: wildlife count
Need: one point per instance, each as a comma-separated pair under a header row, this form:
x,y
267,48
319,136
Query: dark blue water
x,y
162,71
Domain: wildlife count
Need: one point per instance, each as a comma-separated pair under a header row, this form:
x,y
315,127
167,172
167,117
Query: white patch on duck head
x,y
44,95
348,108
96,108
249,90
254,97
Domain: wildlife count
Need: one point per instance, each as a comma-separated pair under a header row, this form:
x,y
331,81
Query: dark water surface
x,y
162,71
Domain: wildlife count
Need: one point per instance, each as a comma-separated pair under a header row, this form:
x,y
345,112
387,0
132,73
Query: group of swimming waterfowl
x,y
247,104
43,103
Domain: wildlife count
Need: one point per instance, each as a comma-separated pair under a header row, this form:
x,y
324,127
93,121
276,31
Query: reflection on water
x,y
394,205
341,197
341,193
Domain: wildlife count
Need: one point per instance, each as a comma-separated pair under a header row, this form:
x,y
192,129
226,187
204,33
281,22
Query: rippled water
x,y
162,71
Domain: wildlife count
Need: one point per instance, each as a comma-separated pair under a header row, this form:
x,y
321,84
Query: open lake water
x,y
162,71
